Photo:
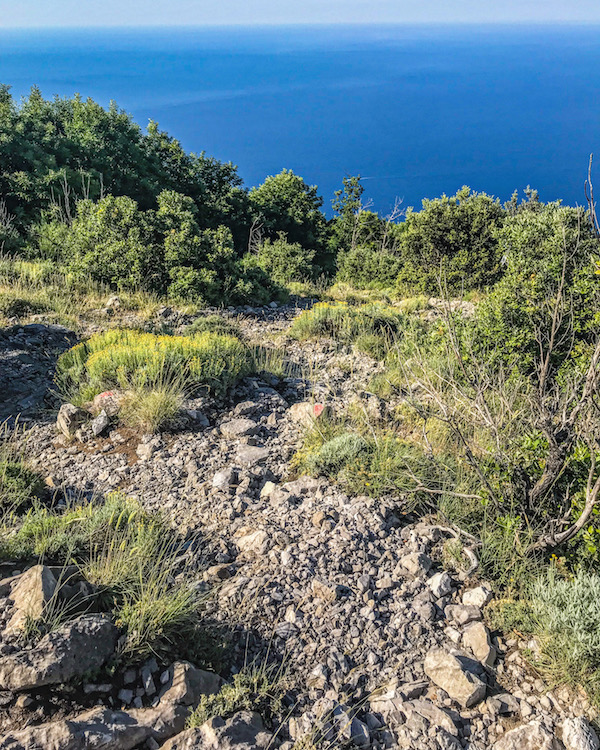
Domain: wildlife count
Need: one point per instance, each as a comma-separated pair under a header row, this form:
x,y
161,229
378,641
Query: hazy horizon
x,y
38,14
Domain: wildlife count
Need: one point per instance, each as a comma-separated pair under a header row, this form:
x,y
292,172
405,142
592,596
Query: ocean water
x,y
417,111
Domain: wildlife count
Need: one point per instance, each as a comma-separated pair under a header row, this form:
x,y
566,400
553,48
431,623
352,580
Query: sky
x,y
77,13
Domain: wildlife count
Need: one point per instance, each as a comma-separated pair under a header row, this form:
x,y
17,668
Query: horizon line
x,y
305,24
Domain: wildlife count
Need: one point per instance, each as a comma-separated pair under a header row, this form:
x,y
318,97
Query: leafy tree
x,y
286,204
455,237
111,241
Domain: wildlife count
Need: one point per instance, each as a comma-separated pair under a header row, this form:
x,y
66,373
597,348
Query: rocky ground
x,y
381,646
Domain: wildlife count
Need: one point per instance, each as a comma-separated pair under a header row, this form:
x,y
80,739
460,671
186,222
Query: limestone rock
x,y
455,673
477,597
306,412
77,647
69,419
109,402
237,428
100,423
243,731
440,584
30,593
255,542
463,614
252,455
577,734
532,736
476,638
416,564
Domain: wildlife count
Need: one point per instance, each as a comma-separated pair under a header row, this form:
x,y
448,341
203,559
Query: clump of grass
x,y
335,454
271,360
152,407
254,688
347,323
214,324
128,555
19,485
125,358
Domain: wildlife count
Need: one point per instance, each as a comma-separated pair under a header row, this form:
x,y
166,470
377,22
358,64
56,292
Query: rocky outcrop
x,y
122,730
243,731
77,647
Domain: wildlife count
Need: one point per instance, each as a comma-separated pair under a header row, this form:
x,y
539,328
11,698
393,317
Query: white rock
x,y
478,597
452,672
577,734
532,736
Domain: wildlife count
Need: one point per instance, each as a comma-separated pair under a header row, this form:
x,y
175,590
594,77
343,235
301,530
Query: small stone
x,y
462,614
532,736
416,564
100,423
440,584
125,695
69,419
306,413
477,597
237,428
224,479
477,639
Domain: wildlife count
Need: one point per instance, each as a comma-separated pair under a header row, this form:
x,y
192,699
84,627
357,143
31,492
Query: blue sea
x,y
417,111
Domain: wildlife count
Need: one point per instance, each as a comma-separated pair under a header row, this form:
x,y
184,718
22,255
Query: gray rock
x,y
440,584
74,649
31,592
122,730
255,542
416,564
577,734
503,704
453,673
69,419
305,412
237,428
243,731
252,455
477,597
476,639
100,423
224,479
462,614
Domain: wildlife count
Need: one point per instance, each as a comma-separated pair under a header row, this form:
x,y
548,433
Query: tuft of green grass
x,y
128,555
214,324
154,406
254,688
348,324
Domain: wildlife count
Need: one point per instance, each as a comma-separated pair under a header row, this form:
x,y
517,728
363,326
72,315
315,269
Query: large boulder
x,y
243,731
31,593
532,736
77,647
70,418
122,730
456,674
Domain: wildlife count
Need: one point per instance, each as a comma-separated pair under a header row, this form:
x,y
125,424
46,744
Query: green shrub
x,y
130,359
285,261
335,454
453,236
19,485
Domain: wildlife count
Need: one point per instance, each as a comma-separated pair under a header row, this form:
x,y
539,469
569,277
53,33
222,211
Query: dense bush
x,y
285,261
129,359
